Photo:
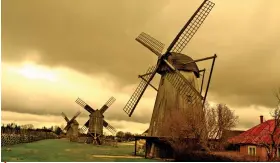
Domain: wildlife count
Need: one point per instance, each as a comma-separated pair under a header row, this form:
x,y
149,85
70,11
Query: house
x,y
252,142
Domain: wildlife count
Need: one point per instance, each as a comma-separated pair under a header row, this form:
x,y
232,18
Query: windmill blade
x,y
84,105
151,43
72,120
107,105
138,93
84,129
75,116
109,127
65,117
190,28
185,88
87,123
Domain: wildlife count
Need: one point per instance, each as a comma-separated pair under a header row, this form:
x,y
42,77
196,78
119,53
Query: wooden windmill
x,y
72,126
179,87
96,120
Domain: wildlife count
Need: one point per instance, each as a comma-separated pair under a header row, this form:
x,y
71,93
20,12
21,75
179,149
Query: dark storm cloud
x,y
90,36
98,36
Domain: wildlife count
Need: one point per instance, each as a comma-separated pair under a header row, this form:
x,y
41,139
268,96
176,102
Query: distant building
x,y
230,133
251,142
145,133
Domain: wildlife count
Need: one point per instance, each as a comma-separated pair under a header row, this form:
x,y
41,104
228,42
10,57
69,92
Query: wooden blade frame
x,y
65,117
107,105
190,28
84,105
109,127
151,43
138,93
83,129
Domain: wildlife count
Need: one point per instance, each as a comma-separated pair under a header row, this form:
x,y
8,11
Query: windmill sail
x,y
107,104
65,117
109,127
84,105
190,28
184,87
151,43
136,96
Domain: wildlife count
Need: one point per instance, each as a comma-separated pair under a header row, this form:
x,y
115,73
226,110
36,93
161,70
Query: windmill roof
x,y
75,122
258,134
146,131
179,61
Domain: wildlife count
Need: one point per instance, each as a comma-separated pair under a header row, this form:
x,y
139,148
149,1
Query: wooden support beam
x,y
148,83
202,81
209,79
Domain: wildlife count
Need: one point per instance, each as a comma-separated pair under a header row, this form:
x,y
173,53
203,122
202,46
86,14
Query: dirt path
x,y
125,156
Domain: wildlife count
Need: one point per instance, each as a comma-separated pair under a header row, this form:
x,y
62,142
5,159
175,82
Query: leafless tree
x,y
219,119
197,127
272,132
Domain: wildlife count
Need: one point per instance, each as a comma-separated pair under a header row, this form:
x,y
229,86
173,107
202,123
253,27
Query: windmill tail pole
x,y
212,67
202,80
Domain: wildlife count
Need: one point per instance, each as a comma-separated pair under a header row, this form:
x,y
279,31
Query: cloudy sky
x,y
56,51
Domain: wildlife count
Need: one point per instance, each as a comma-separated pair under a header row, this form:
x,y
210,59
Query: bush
x,y
200,157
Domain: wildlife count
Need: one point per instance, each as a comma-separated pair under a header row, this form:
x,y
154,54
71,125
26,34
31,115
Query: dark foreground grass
x,y
62,150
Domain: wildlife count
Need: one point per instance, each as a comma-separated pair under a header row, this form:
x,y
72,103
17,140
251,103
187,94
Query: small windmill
x,y
96,119
179,87
72,125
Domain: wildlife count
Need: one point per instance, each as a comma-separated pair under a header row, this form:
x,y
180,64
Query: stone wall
x,y
11,139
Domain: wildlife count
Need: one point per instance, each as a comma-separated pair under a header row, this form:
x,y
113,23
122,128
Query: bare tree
x,y
197,127
272,132
219,119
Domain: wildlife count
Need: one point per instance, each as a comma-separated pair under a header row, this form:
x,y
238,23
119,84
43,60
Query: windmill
x,y
179,87
96,120
72,126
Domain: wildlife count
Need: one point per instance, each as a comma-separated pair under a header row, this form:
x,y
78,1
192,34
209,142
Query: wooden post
x,y
135,145
146,147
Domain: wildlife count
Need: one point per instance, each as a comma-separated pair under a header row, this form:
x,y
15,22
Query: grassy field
x,y
63,150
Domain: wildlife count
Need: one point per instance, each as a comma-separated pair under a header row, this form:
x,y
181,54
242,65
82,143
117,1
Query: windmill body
x,y
168,98
72,127
96,122
73,131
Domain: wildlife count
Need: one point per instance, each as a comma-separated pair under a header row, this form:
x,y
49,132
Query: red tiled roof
x,y
257,135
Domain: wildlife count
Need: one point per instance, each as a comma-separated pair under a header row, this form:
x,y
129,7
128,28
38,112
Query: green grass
x,y
62,150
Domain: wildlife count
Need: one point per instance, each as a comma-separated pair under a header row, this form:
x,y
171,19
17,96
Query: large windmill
x,y
96,120
179,87
72,126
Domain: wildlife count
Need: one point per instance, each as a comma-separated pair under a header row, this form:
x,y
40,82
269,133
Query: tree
x,y
127,136
219,119
273,131
57,130
120,134
27,126
190,130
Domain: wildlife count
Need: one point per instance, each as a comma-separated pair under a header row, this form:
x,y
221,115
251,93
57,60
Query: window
x,y
252,150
